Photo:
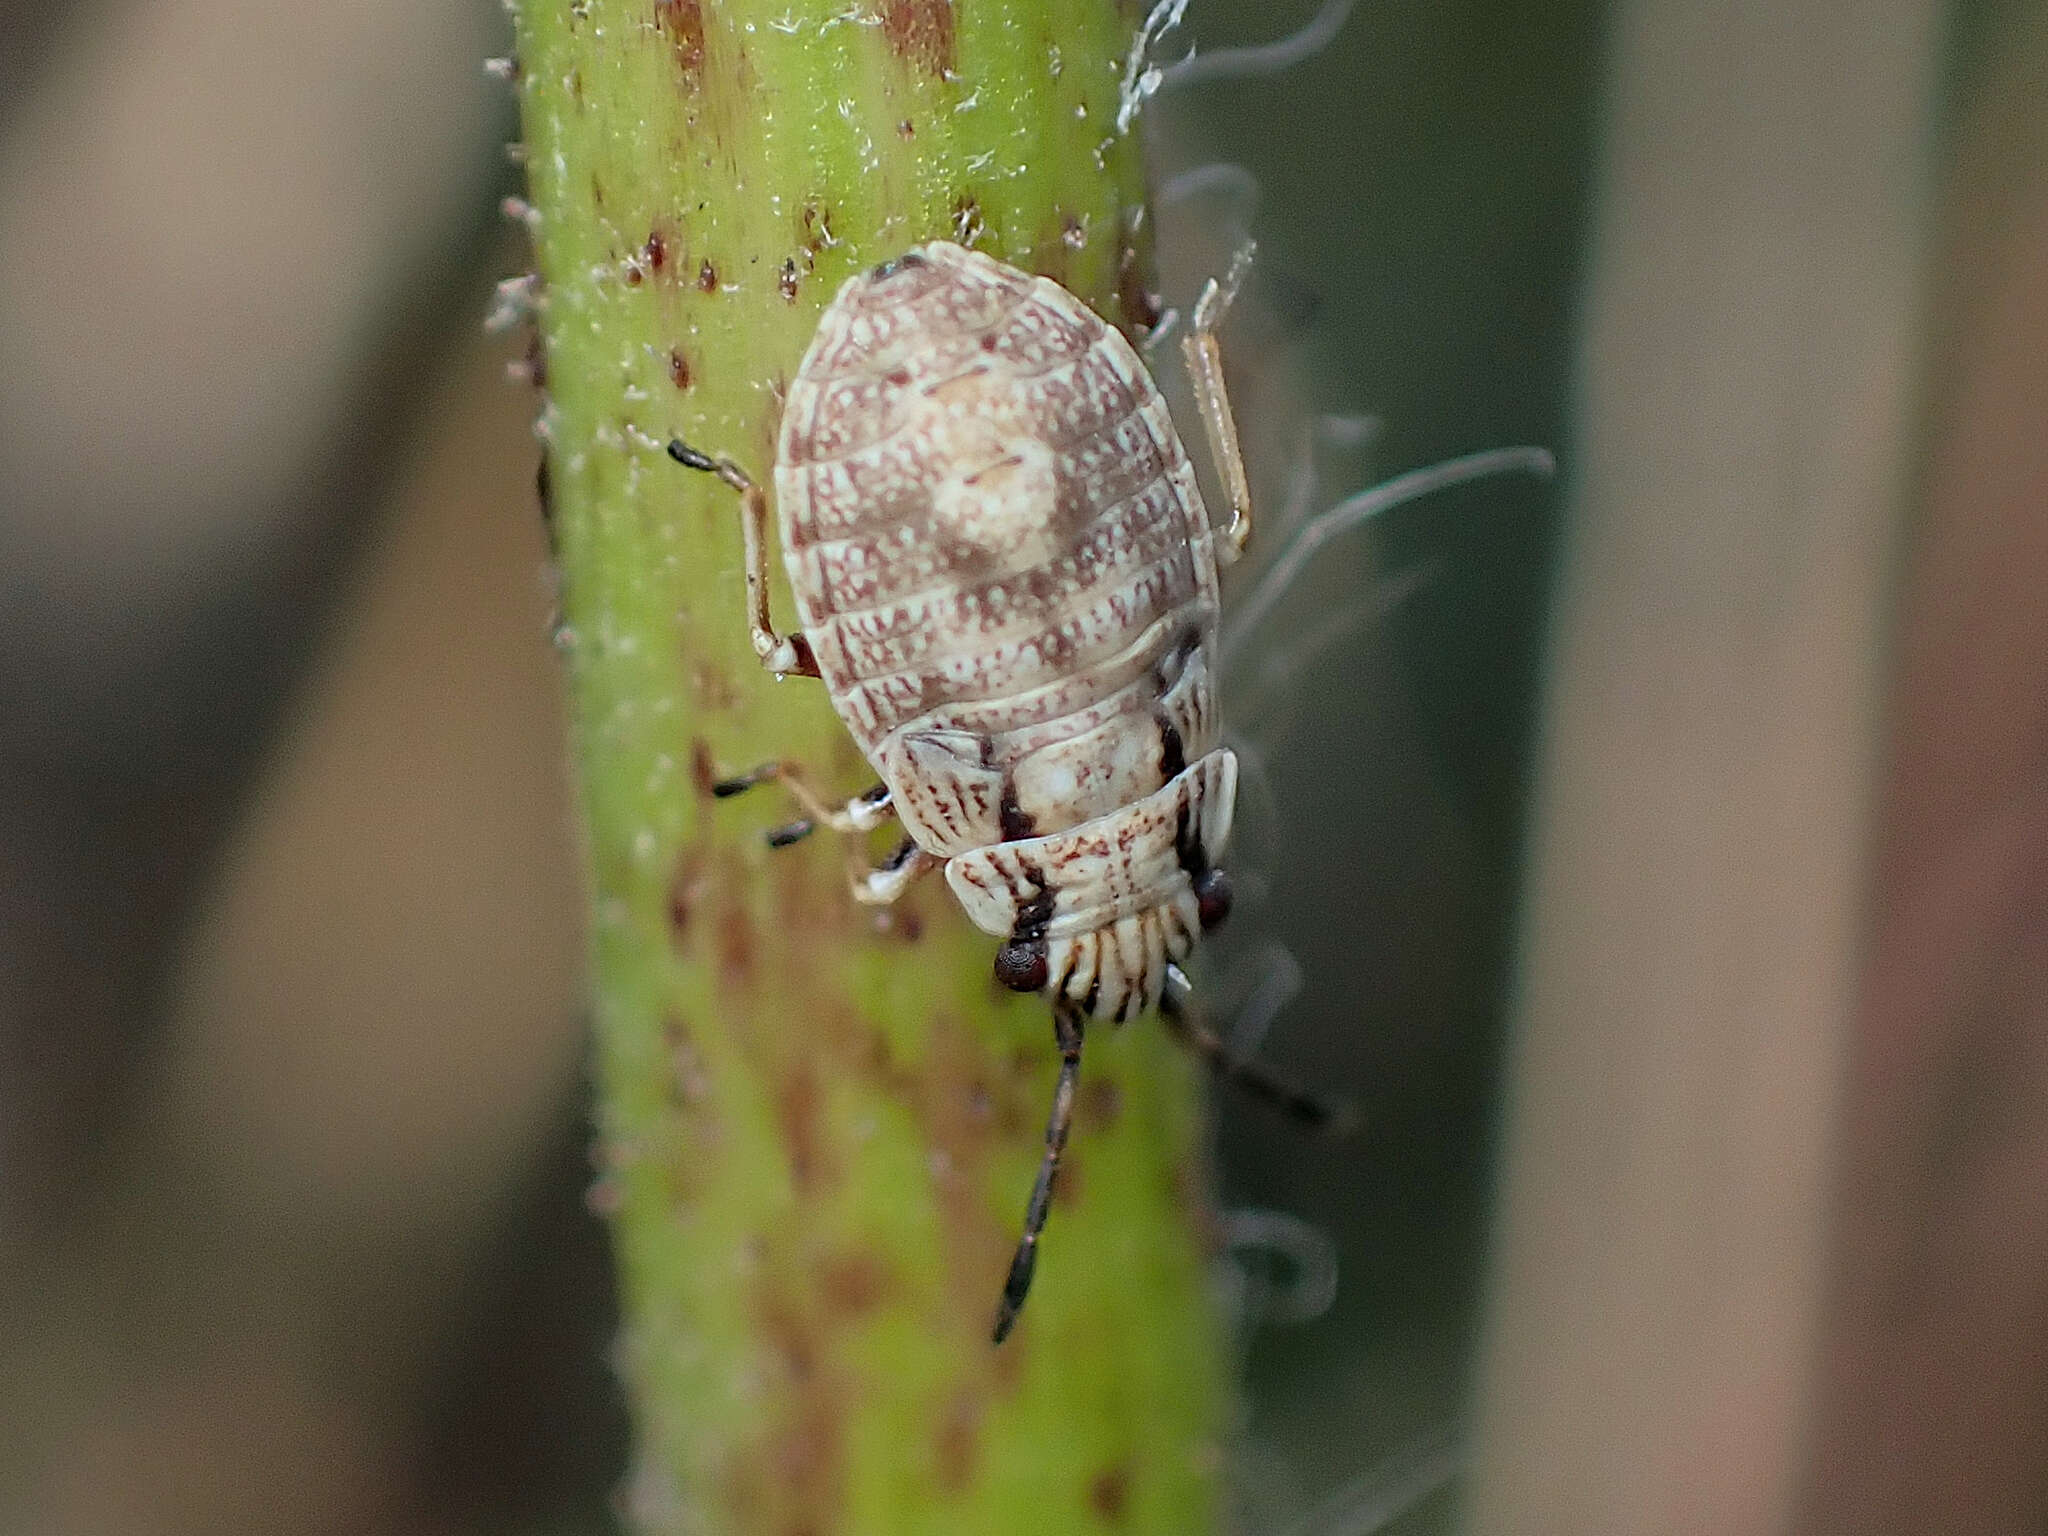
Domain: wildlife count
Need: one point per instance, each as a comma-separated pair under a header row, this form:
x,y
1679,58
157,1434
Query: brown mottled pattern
x,y
1002,563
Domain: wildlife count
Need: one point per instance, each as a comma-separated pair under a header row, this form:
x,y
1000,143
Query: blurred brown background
x,y
291,1137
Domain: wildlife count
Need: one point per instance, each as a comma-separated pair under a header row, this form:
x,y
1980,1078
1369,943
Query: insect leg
x,y
1177,1008
1066,1024
863,813
1205,368
781,654
886,883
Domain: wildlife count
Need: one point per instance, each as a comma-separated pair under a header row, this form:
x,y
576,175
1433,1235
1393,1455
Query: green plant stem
x,y
817,1125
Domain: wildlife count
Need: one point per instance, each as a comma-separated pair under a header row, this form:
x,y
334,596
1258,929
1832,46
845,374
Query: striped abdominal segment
x,y
1108,903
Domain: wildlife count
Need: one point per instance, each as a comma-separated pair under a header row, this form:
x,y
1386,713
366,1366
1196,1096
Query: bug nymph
x,y
1005,575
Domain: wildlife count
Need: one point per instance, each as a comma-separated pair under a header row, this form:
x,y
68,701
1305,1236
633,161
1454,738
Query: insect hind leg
x,y
784,655
1067,1031
1178,1010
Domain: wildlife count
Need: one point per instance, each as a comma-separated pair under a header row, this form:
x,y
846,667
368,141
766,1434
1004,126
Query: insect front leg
x,y
784,655
1205,368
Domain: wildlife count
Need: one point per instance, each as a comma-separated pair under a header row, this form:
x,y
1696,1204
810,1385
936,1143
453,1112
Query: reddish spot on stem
x,y
799,1108
1066,1193
656,250
955,1446
678,368
798,1471
1109,1493
854,1283
817,228
703,769
787,283
921,33
1102,1104
707,277
735,947
683,22
906,923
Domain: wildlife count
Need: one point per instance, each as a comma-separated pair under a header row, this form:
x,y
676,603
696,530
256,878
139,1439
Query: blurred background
x,y
1659,857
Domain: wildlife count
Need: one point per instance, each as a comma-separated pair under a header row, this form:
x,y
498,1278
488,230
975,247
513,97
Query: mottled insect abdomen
x,y
1006,575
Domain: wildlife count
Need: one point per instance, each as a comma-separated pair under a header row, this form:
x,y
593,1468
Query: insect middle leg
x,y
784,655
1205,368
876,885
863,813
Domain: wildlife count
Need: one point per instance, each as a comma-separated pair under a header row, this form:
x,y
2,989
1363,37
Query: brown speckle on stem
x,y
921,33
793,1481
704,773
735,947
854,1283
1109,1493
1102,1104
958,1439
817,228
799,1111
1066,1194
683,22
679,892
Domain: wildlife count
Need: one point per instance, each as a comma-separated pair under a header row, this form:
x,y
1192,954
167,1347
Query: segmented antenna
x,y
1066,1025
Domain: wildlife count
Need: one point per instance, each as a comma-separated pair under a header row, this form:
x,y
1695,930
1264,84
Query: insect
x,y
1006,577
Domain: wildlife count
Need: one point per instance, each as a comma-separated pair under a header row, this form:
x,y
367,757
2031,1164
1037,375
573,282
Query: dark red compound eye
x,y
1022,967
1212,897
